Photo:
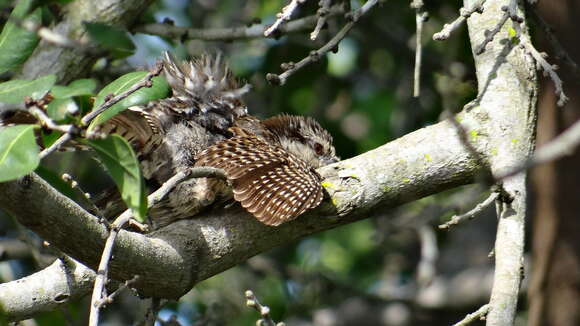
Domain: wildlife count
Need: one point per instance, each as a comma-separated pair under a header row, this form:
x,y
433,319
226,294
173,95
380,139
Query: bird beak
x,y
330,160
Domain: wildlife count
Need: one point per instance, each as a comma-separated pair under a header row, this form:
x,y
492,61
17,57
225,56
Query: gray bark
x,y
173,259
507,96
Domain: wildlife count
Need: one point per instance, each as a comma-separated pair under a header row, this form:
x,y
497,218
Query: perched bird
x,y
270,164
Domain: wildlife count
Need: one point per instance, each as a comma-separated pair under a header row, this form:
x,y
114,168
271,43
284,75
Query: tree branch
x,y
507,96
45,290
232,33
427,161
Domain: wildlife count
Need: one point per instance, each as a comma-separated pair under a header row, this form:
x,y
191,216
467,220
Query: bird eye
x,y
318,148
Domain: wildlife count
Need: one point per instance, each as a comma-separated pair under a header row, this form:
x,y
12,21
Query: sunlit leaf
x,y
14,91
16,43
112,38
18,152
160,89
121,162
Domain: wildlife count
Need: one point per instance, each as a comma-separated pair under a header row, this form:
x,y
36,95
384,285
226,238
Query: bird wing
x,y
272,184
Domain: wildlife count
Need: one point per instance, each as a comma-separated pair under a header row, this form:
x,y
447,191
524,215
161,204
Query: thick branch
x,y
507,96
46,290
427,161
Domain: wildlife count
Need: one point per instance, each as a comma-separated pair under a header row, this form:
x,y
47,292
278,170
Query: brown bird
x,y
270,163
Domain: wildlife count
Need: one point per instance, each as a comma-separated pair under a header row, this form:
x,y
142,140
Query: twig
x,y
560,51
445,33
322,14
420,17
456,219
546,67
489,35
154,198
85,196
55,146
233,33
558,147
479,314
315,55
198,172
283,16
145,82
47,122
109,299
34,108
266,320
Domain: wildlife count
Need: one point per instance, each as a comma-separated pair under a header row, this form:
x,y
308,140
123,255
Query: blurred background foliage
x,y
366,273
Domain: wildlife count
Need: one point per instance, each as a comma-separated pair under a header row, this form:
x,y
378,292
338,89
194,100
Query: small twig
x,y
479,314
145,82
322,14
55,146
489,35
85,196
546,67
264,311
109,299
420,17
560,51
154,198
560,146
283,16
47,122
291,68
445,33
456,219
232,33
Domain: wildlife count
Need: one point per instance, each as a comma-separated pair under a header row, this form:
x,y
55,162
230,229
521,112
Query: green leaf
x,y
121,162
16,43
76,88
111,38
14,91
59,108
18,152
160,89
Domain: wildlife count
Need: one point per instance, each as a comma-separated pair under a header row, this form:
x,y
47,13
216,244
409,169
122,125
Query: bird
x,y
270,164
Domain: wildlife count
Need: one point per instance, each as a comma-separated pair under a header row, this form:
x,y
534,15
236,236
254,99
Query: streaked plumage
x,y
204,122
